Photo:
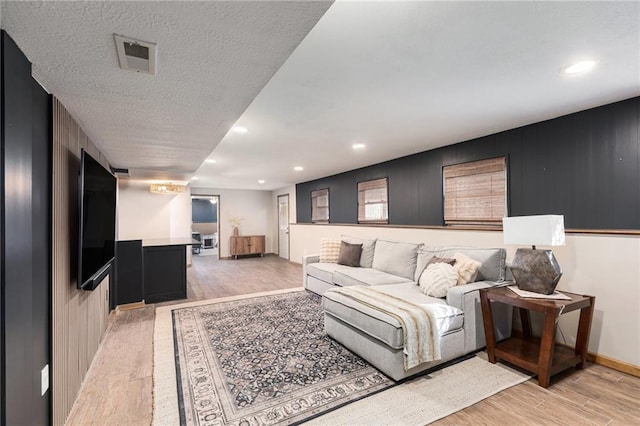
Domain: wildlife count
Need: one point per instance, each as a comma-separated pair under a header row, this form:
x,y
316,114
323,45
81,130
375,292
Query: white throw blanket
x,y
421,338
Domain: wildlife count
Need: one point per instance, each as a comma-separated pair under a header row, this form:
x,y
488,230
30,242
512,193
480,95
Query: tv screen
x,y
97,221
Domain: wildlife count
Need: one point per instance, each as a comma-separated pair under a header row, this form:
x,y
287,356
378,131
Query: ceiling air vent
x,y
136,55
119,171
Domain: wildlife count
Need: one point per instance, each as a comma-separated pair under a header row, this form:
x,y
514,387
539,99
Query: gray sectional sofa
x,y
395,268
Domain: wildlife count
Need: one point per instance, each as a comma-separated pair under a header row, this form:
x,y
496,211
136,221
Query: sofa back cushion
x,y
368,247
493,260
396,258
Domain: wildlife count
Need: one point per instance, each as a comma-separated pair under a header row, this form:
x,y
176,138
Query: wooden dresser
x,y
247,244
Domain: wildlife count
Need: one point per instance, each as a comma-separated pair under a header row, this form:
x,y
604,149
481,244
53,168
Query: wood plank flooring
x,y
118,386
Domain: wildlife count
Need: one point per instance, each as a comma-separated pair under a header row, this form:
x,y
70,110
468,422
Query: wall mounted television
x,y
97,230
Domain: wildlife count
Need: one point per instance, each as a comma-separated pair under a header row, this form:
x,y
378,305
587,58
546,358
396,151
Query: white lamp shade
x,y
541,230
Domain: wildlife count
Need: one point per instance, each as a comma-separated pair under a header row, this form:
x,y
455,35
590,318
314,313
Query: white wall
x,y
291,191
605,266
253,207
142,214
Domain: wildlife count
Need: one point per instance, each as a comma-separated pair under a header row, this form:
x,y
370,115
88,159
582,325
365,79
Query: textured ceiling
x,y
401,77
213,59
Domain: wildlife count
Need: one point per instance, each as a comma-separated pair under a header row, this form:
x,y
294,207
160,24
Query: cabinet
x,y
165,273
247,244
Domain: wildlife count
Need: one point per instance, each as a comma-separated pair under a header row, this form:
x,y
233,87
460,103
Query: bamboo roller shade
x,y
320,205
372,192
475,192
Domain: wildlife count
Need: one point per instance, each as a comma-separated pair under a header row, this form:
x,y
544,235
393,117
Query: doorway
x,y
205,214
283,226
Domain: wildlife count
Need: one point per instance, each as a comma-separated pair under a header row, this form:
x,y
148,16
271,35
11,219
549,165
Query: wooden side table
x,y
538,355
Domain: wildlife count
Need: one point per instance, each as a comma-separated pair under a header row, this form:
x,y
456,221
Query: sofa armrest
x,y
466,297
310,258
456,294
307,260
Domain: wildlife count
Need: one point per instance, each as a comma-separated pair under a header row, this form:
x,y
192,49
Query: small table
x,y
538,355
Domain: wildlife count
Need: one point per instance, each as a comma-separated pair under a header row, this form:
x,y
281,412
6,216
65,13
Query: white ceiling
x,y
401,77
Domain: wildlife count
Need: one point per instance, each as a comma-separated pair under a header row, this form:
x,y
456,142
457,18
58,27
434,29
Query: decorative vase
x,y
235,231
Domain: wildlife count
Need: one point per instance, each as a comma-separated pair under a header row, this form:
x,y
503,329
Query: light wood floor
x,y
118,386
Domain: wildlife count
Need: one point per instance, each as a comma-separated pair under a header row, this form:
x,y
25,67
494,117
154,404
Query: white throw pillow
x,y
467,268
329,250
437,279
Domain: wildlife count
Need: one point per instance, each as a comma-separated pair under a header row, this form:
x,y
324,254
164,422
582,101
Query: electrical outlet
x,y
44,380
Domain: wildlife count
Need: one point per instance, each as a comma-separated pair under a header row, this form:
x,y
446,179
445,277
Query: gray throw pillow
x,y
349,254
368,246
436,259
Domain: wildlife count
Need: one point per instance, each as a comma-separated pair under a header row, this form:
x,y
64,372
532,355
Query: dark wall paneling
x,y
584,165
26,124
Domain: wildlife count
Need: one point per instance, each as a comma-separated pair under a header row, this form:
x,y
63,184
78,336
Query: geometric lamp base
x,y
536,270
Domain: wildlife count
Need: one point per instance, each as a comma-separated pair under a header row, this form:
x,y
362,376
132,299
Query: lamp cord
x,y
558,324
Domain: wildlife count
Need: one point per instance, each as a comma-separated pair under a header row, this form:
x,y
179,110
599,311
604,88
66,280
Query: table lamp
x,y
535,270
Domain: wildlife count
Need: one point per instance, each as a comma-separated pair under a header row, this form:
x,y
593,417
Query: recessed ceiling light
x,y
210,161
240,129
579,67
358,146
298,168
195,178
261,181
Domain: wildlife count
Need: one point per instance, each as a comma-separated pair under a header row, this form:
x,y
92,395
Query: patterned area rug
x,y
260,361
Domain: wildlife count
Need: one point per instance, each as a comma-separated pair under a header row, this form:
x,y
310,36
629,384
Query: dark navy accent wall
x,y
202,211
584,165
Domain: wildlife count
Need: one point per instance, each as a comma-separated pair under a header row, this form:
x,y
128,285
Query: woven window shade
x,y
475,193
320,206
373,201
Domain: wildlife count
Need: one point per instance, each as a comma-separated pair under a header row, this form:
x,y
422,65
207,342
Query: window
x,y
320,206
372,201
475,193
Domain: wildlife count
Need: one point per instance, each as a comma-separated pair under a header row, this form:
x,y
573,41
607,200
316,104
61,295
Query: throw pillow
x,y
329,250
467,268
368,246
349,254
426,258
437,279
436,259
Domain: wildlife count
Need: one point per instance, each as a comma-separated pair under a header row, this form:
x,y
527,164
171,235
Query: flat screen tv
x,y
97,231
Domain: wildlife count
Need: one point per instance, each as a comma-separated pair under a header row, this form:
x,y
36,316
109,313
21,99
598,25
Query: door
x,y
283,226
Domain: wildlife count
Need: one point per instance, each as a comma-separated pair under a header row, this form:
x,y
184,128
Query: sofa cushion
x,y
322,271
329,250
396,258
346,276
437,279
386,328
368,246
349,254
493,260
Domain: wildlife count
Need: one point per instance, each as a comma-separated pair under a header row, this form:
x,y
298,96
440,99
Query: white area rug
x,y
428,398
